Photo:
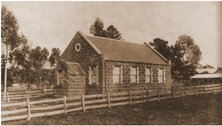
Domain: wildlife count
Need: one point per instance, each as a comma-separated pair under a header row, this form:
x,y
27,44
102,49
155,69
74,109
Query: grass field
x,y
204,109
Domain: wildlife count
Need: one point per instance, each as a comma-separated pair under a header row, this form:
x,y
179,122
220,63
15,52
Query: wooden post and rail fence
x,y
31,109
22,94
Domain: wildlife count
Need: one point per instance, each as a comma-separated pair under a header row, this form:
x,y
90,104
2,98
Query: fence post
x,y
8,97
131,100
108,98
214,89
190,90
83,103
148,98
185,90
65,104
205,89
173,95
28,104
29,91
196,90
158,95
44,90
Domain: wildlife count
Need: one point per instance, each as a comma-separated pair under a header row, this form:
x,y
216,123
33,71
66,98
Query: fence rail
x,y
86,102
22,94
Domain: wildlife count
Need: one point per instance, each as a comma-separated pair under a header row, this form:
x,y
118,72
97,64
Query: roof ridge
x,y
113,39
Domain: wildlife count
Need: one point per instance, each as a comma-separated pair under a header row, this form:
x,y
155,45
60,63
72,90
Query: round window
x,y
77,47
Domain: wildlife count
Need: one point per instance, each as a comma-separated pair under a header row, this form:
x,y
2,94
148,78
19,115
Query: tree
x,y
186,57
205,67
55,54
37,58
97,29
9,37
113,33
21,60
52,59
162,47
2,67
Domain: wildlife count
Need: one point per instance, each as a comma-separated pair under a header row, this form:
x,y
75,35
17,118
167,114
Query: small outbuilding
x,y
207,76
71,79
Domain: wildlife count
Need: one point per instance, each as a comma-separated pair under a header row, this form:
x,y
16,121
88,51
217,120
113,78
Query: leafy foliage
x,y
55,54
162,47
186,57
97,29
113,33
37,58
20,59
9,29
9,37
26,63
205,67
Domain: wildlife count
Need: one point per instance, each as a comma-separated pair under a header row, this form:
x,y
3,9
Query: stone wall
x,y
76,85
73,87
126,85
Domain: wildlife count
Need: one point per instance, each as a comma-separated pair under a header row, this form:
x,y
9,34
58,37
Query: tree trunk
x,y
6,61
29,79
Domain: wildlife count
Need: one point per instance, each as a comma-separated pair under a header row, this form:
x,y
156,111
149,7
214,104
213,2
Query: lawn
x,y
204,109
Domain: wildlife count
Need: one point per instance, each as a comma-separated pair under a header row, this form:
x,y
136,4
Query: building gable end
x,y
90,43
161,56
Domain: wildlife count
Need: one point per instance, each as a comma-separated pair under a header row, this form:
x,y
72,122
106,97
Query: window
x,y
116,75
77,47
61,77
93,74
160,76
133,74
147,75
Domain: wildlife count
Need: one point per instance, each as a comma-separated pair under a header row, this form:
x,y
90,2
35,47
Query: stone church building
x,y
112,65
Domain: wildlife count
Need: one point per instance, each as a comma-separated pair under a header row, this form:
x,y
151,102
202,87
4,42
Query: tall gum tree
x,y
9,36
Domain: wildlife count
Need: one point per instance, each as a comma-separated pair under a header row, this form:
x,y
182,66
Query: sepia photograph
x,y
111,63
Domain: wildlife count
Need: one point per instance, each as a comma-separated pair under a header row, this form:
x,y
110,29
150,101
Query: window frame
x,y
161,76
132,74
93,74
146,75
114,75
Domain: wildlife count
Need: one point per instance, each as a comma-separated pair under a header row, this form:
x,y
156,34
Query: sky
x,y
54,24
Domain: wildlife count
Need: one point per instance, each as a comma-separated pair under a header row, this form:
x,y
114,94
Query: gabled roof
x,y
219,70
206,70
117,50
73,68
198,76
207,73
